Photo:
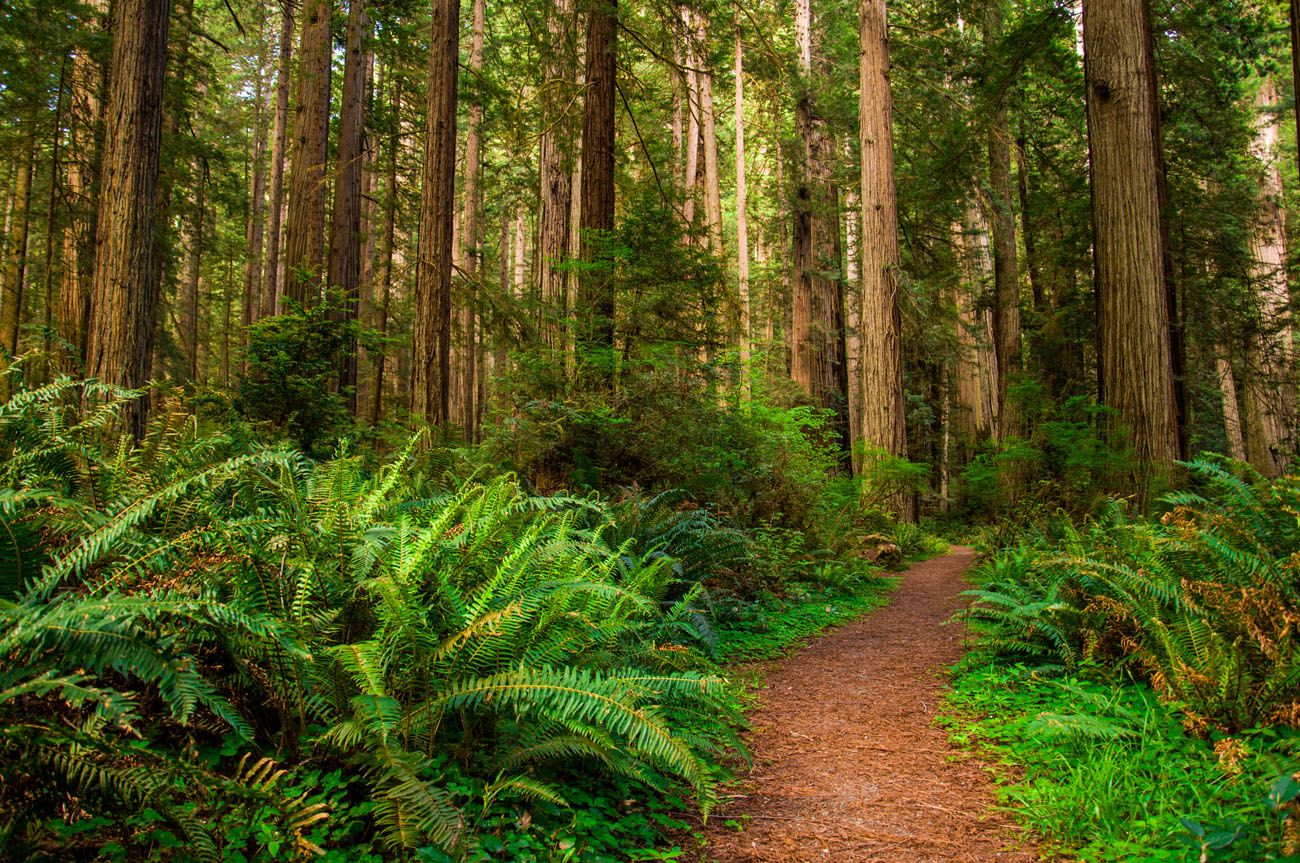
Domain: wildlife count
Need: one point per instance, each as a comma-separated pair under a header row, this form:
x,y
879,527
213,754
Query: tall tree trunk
x,y
883,413
390,232
470,253
122,298
431,332
1135,350
742,220
51,225
15,271
304,248
1294,9
345,228
976,366
256,195
596,286
1006,309
1027,223
556,172
272,283
84,147
819,365
1270,392
189,300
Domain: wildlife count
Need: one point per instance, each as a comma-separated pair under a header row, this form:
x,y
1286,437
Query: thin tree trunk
x,y
883,415
742,221
1006,309
345,228
1231,414
15,273
256,197
51,221
304,255
1135,350
189,301
818,365
272,283
431,333
556,172
470,253
596,286
1270,386
390,231
84,148
1027,224
123,300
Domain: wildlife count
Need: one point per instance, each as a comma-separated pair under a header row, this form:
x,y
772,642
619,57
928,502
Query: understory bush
x,y
1147,669
1203,603
261,656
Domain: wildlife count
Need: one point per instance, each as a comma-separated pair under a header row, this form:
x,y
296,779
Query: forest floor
x,y
848,763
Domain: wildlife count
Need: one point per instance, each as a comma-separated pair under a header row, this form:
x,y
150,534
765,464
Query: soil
x,y
848,764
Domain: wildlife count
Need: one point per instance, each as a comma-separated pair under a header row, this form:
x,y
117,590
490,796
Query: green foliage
x,y
1106,772
446,651
292,372
1199,603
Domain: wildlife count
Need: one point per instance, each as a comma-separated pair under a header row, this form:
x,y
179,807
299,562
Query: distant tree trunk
x,y
122,299
256,197
51,223
742,220
596,286
272,284
345,228
819,364
1270,392
1031,238
304,254
556,171
431,332
390,231
1231,414
709,141
1294,8
1006,309
470,253
976,366
84,146
189,299
691,163
15,271
883,413
1135,350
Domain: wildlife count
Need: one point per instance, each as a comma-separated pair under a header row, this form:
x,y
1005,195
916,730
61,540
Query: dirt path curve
x,y
847,763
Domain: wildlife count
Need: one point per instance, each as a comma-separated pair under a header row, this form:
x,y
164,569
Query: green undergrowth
x,y
1101,770
772,626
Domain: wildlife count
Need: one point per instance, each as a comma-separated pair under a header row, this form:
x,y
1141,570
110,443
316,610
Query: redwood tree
x,y
431,330
1134,344
122,298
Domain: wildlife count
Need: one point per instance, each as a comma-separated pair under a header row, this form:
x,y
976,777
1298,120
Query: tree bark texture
x,y
304,248
345,227
883,413
1135,349
596,286
273,283
819,364
431,330
556,171
123,297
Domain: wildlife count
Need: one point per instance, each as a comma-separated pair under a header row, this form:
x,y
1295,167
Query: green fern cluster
x,y
158,598
1204,603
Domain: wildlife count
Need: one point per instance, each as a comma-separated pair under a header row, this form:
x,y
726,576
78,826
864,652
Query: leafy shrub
x,y
1202,603
449,649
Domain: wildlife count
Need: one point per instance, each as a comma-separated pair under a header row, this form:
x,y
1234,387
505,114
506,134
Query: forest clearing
x,y
569,431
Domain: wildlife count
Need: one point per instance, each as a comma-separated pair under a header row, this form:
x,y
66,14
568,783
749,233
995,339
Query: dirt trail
x,y
847,763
